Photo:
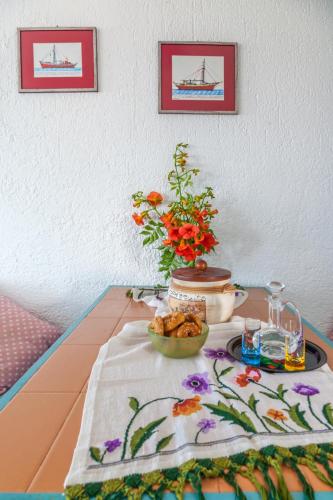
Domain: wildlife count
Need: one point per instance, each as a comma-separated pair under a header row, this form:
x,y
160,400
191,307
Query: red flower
x,y
138,219
243,379
154,198
188,231
173,234
208,241
185,251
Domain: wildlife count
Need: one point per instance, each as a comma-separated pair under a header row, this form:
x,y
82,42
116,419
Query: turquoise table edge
x,y
320,495
6,398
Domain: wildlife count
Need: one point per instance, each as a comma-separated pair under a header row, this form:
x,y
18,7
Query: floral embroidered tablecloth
x,y
152,423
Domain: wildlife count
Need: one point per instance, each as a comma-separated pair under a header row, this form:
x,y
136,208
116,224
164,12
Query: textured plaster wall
x,y
69,162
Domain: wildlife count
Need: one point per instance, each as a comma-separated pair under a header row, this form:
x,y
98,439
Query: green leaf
x,y
269,395
252,402
226,395
298,417
328,413
146,241
273,424
227,370
95,454
133,403
281,392
163,443
142,434
231,414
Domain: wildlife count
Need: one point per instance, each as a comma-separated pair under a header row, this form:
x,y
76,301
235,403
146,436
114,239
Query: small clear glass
x,y
251,342
294,347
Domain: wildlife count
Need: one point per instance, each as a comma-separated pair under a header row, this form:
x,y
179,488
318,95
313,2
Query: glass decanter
x,y
273,336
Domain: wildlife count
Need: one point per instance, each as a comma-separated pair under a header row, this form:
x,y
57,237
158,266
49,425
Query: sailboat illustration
x,y
197,84
56,63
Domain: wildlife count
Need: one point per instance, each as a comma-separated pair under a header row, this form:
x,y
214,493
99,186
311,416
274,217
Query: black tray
x,y
315,356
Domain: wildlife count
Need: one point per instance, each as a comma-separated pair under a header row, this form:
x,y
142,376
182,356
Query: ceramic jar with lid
x,y
204,291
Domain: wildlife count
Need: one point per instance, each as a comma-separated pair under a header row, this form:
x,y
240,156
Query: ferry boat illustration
x,y
197,84
56,63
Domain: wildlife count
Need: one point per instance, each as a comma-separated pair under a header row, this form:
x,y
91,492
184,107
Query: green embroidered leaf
x,y
252,402
227,370
269,395
281,392
298,417
163,443
142,434
231,414
328,413
133,403
226,395
95,454
273,424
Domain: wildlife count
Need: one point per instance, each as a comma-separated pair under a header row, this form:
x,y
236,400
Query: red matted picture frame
x,y
197,77
57,59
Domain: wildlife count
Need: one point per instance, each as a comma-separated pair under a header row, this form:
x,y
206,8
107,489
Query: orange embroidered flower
x,y
138,219
167,243
154,198
186,407
243,379
277,414
188,231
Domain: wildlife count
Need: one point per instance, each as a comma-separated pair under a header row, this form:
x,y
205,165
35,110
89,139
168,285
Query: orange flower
x,y
138,219
154,198
188,231
277,414
167,243
186,407
167,219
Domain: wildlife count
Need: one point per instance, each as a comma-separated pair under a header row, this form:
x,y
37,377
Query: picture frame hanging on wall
x,y
57,59
197,77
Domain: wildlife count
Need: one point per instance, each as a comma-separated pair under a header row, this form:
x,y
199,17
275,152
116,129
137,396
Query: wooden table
x,y
41,415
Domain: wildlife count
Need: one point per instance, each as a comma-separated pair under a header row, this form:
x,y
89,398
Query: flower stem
x,y
197,435
288,427
238,397
314,415
134,417
272,391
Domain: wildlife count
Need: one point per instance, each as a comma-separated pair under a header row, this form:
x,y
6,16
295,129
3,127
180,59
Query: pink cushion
x,y
23,339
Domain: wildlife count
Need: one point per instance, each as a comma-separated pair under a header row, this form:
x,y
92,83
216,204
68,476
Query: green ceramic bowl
x,y
179,348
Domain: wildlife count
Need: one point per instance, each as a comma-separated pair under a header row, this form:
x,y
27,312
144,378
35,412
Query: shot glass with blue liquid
x,y
251,342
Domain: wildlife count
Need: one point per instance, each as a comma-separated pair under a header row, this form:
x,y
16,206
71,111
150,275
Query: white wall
x,y
69,162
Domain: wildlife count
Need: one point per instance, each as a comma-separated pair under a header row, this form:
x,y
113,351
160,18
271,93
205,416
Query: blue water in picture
x,y
57,70
198,92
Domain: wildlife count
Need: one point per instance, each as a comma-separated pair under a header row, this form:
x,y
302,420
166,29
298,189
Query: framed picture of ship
x,y
57,59
197,77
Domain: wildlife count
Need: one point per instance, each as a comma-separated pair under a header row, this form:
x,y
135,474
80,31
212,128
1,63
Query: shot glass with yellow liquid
x,y
294,348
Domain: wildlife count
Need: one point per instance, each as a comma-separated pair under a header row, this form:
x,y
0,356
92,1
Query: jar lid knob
x,y
201,265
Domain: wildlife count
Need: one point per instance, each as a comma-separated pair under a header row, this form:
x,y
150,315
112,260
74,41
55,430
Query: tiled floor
x,y
39,427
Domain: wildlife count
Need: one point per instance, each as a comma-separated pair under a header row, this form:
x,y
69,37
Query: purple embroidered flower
x,y
305,390
206,424
112,445
198,383
218,353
